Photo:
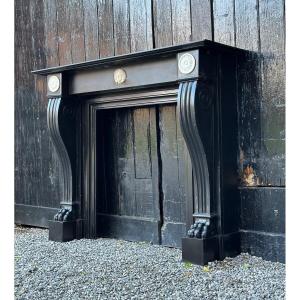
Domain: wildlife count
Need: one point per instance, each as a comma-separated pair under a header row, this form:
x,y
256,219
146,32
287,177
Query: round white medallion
x,y
119,76
53,83
186,63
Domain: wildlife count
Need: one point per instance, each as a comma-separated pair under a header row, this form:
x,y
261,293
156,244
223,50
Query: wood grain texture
x,y
142,141
224,21
181,21
201,17
91,31
174,204
51,37
24,89
77,31
246,21
125,163
106,27
272,39
162,23
64,33
140,25
121,26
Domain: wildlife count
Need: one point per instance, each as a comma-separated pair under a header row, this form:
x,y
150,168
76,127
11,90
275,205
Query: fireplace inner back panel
x,y
142,171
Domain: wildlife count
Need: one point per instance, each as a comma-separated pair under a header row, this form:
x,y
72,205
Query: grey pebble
x,y
114,269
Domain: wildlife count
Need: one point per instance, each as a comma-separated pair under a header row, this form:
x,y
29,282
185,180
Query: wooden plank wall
x,y
50,33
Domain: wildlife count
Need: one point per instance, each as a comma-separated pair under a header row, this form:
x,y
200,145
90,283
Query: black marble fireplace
x,y
110,192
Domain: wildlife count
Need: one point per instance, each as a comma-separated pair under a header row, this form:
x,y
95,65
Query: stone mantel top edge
x,y
142,55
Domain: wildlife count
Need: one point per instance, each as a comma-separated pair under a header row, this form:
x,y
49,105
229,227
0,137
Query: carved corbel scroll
x,y
61,118
189,97
53,112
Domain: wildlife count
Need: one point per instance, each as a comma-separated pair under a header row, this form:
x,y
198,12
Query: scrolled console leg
x,y
201,244
63,226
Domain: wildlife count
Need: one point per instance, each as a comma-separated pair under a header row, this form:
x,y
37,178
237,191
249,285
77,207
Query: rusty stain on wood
x,y
249,176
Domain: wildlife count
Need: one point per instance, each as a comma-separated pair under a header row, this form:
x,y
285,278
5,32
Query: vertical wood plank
x,y
126,172
155,157
38,33
224,21
63,31
181,21
272,28
77,31
39,101
174,173
272,25
246,20
169,157
23,92
90,21
162,16
144,199
249,99
201,12
106,27
121,26
51,41
142,142
272,40
140,25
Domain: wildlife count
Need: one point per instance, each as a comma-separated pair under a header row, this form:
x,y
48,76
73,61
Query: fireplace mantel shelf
x,y
201,79
140,56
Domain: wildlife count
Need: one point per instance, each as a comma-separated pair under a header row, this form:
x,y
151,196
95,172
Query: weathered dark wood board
x,y
176,177
270,247
50,33
263,222
263,210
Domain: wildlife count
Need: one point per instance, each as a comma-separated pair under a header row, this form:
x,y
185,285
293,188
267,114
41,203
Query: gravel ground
x,y
114,269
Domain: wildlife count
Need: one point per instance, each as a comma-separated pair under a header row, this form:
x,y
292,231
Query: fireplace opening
x,y
143,173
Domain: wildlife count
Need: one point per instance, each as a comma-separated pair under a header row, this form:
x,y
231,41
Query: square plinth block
x,y
60,231
200,251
